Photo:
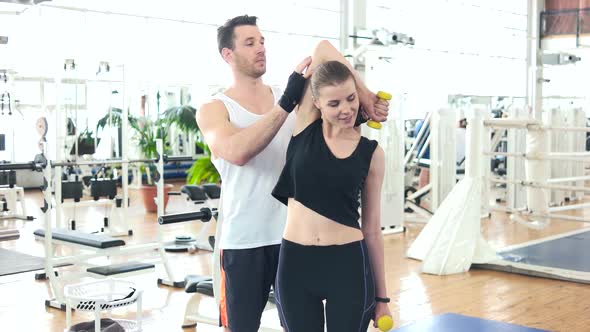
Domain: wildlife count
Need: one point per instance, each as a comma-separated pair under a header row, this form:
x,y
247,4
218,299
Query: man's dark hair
x,y
225,33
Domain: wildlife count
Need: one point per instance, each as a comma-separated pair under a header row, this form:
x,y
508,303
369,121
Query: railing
x,y
565,22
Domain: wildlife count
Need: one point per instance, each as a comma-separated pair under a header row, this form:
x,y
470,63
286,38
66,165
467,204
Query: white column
x,y
534,64
515,166
443,161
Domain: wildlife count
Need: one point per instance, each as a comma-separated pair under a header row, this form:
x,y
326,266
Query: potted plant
x,y
114,116
203,170
85,143
146,133
113,119
184,118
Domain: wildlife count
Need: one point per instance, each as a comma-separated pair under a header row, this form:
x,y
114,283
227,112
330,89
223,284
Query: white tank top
x,y
251,216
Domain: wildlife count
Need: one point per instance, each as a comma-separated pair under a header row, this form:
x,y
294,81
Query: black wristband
x,y
382,299
359,117
293,92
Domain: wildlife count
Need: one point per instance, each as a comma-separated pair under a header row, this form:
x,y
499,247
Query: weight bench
x,y
212,190
10,196
199,194
9,234
204,285
194,193
198,284
195,284
99,241
121,268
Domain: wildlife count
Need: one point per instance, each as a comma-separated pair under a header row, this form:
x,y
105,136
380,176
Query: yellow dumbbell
x,y
381,95
385,323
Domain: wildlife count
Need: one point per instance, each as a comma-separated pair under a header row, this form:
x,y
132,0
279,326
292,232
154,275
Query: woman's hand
x,y
381,309
374,108
303,68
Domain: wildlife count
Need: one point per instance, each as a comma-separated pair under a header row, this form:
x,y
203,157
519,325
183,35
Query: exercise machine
x,y
95,244
206,196
11,195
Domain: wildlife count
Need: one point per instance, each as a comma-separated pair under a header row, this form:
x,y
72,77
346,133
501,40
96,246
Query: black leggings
x,y
339,274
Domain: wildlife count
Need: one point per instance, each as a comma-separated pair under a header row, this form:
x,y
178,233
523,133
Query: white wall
x,y
161,44
473,47
462,46
172,42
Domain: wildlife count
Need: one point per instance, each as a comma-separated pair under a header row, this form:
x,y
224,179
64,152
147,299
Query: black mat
x,y
13,262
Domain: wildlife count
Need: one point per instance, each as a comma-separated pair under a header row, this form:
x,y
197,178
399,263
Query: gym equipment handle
x,y
204,215
16,166
36,165
384,96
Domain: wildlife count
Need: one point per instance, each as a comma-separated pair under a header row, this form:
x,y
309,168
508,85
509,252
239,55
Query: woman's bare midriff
x,y
307,227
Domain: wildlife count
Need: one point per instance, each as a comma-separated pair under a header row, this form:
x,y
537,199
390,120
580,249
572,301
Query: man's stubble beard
x,y
251,70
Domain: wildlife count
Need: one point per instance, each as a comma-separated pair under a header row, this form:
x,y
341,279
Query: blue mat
x,y
460,323
564,253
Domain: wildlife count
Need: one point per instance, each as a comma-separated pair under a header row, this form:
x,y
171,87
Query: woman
x,y
325,254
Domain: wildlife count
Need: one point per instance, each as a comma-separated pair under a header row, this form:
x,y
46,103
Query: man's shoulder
x,y
213,107
213,104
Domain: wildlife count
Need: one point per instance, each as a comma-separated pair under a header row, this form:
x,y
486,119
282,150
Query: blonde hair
x,y
329,73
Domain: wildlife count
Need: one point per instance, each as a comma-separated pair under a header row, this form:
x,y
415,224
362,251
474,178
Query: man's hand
x,y
295,86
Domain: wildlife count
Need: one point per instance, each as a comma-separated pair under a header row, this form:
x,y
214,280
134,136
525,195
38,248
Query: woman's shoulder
x,y
369,144
310,128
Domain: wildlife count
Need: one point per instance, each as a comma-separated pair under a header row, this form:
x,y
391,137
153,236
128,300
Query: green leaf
x,y
202,170
116,119
183,117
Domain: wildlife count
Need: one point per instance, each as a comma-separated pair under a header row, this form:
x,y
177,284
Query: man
x,y
248,137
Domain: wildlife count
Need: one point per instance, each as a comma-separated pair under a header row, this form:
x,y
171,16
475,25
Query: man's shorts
x,y
246,278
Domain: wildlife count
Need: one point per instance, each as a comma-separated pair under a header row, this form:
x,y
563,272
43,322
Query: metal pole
x,y
59,149
510,123
418,138
344,25
583,129
569,207
570,179
48,244
161,211
103,162
160,182
124,146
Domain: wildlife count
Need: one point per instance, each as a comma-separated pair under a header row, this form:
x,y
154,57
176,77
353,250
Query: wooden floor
x,y
534,302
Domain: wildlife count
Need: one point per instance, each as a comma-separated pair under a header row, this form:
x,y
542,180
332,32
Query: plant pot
x,y
149,193
85,146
